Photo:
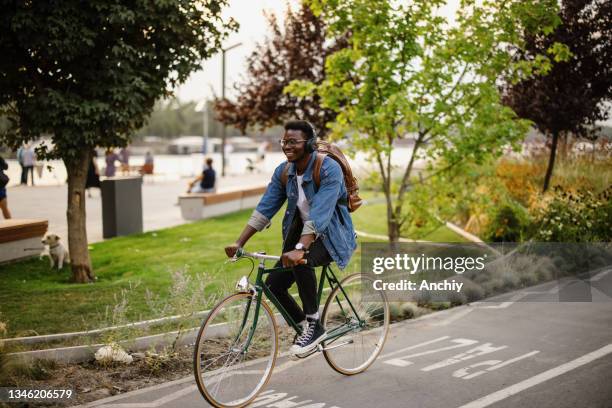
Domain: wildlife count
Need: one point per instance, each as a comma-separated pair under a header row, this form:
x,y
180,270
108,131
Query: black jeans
x,y
24,174
280,282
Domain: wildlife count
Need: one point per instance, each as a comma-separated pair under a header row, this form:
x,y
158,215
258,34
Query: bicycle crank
x,y
344,343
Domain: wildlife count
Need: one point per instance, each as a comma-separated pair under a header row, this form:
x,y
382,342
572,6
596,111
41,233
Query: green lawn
x,y
36,300
371,218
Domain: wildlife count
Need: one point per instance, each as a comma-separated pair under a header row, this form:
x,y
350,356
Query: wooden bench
x,y
20,238
196,206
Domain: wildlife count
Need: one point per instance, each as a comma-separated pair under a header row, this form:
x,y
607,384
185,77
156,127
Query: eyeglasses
x,y
290,142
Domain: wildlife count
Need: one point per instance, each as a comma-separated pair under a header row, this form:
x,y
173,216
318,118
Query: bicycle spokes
x,y
235,356
356,328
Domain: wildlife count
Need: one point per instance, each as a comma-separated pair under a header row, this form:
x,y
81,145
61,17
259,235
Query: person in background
x,y
29,160
3,182
93,174
261,151
206,182
110,159
24,175
149,164
124,158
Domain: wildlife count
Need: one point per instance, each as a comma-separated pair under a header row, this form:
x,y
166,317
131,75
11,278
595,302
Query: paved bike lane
x,y
505,354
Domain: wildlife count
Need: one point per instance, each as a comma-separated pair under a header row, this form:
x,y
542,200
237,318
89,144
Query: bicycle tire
x,y
375,313
224,333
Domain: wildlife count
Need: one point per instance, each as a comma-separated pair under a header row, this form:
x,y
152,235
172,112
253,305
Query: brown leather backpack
x,y
325,148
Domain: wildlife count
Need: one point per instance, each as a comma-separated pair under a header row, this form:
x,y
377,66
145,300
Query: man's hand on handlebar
x,y
293,258
231,250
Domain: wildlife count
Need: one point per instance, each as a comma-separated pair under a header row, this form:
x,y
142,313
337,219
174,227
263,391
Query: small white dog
x,y
55,250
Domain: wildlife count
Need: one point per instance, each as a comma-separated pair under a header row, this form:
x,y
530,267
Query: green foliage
x,y
461,193
580,47
509,223
409,73
295,50
89,73
579,216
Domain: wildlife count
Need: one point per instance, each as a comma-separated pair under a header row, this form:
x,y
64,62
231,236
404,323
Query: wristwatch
x,y
301,247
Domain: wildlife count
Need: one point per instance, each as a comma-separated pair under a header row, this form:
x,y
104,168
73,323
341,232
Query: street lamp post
x,y
223,127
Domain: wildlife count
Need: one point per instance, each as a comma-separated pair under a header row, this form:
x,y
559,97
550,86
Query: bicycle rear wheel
x,y
364,326
230,369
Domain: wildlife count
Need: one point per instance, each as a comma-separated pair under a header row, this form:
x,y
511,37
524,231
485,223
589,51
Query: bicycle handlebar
x,y
241,252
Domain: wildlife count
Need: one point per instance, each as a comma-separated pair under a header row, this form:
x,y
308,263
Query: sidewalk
x,y
159,204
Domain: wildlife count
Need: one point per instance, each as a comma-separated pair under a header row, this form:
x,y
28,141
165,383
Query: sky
x,y
206,83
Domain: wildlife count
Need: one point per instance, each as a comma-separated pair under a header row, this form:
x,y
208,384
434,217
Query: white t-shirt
x,y
302,202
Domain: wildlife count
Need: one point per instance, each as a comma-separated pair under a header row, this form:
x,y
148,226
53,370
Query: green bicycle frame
x,y
261,288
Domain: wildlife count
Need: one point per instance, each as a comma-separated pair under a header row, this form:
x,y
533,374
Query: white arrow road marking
x,y
414,346
402,362
479,350
493,365
538,379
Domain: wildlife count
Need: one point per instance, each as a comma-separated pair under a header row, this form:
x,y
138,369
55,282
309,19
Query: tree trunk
x,y
77,231
393,231
551,160
393,227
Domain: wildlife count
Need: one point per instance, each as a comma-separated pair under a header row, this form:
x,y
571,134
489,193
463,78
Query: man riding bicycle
x,y
317,227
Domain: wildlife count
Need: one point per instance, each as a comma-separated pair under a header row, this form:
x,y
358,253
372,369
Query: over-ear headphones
x,y
311,144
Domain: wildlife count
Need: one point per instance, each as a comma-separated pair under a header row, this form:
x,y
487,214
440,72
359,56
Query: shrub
x,y
410,310
494,286
509,223
522,179
423,299
528,279
396,312
509,281
457,298
575,216
473,293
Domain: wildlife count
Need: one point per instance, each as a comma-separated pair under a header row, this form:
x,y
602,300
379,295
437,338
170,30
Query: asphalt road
x,y
526,350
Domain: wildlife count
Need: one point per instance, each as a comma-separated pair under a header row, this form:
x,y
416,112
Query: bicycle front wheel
x,y
235,351
357,326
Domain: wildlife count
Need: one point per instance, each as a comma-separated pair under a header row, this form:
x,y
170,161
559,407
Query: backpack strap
x,y
316,175
316,171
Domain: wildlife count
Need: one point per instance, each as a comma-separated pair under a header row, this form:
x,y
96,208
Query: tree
x,y
88,74
297,52
408,73
570,97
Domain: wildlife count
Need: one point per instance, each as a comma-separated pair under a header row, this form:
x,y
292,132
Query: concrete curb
x,y
79,354
62,336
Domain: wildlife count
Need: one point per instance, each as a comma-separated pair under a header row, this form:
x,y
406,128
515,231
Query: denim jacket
x,y
329,216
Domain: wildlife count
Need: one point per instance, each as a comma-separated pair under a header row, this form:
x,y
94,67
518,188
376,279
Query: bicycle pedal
x,y
310,353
